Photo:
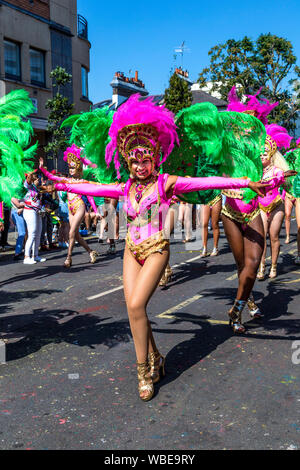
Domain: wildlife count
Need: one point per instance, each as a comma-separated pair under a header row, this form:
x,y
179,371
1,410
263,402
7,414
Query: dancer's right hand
x,y
289,173
41,162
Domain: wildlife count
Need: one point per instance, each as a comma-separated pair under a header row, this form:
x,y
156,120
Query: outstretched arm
x,y
49,175
181,185
92,189
279,178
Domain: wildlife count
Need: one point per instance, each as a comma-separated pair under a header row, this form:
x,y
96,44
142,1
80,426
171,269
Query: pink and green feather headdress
x,y
259,109
277,136
73,154
141,123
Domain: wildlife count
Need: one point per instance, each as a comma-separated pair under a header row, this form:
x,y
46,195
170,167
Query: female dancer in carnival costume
x,y
15,135
292,157
275,171
143,135
289,202
76,203
242,221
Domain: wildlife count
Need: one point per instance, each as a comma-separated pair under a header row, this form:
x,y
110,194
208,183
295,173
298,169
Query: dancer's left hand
x,y
258,187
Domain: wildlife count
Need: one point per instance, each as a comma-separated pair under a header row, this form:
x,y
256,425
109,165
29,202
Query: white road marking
x,y
102,294
185,303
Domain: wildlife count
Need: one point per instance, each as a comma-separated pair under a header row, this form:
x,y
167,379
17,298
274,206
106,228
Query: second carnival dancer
x,y
290,200
76,203
142,137
243,223
292,195
275,171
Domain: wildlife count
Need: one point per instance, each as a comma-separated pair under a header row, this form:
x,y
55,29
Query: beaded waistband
x,y
242,217
270,207
156,243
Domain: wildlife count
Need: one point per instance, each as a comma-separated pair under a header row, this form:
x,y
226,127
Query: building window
x,y
82,27
37,67
84,82
12,60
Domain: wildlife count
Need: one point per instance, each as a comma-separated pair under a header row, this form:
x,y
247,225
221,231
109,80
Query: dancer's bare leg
x,y
188,221
253,249
75,221
206,212
276,220
266,223
297,210
247,249
215,217
140,283
288,207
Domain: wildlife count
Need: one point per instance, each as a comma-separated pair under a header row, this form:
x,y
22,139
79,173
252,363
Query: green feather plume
x,y
214,143
292,185
90,131
16,102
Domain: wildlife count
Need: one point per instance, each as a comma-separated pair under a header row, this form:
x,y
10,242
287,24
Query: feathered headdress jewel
x,y
141,128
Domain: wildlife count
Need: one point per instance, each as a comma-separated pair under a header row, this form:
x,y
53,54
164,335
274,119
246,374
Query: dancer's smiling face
x,y
74,171
141,164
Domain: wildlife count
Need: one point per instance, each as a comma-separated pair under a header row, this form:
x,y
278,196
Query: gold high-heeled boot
x,y
93,256
254,310
157,366
235,316
166,277
68,262
273,271
261,272
145,381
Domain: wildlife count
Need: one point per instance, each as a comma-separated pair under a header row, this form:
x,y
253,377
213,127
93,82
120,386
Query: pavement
x,y
68,378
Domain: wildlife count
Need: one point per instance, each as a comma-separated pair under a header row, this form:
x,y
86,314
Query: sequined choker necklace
x,y
141,188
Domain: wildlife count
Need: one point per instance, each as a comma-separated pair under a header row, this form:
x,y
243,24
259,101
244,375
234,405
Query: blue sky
x,y
142,35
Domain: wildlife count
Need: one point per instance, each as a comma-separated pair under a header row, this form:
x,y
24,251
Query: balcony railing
x,y
82,27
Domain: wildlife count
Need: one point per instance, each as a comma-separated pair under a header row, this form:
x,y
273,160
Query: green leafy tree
x,y
60,108
269,62
178,95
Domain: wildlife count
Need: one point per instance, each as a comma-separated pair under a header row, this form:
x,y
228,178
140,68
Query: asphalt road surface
x,y
69,376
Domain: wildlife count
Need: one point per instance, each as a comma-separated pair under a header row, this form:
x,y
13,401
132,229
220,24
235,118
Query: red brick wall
x,y
38,7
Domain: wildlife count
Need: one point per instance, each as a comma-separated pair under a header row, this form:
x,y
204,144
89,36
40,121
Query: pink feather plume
x,y
137,111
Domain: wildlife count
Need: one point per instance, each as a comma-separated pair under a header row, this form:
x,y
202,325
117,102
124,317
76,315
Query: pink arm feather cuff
x,y
92,189
50,176
188,185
